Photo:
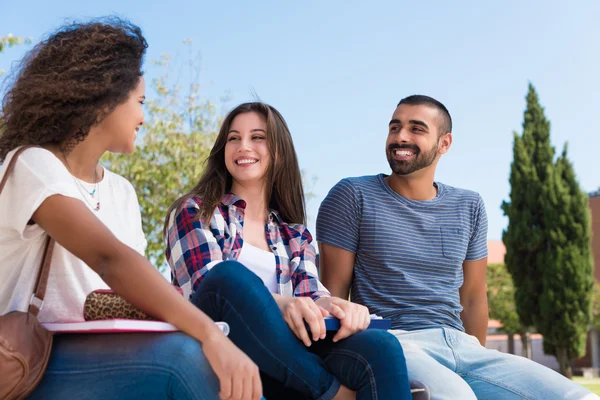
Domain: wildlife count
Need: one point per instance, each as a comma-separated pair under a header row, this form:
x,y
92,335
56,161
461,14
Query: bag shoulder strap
x,y
37,298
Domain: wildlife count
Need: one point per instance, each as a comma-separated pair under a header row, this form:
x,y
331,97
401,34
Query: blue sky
x,y
336,70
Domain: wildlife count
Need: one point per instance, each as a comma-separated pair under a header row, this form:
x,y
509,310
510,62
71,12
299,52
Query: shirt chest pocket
x,y
455,242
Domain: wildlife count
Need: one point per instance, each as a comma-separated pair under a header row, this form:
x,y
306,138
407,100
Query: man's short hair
x,y
420,100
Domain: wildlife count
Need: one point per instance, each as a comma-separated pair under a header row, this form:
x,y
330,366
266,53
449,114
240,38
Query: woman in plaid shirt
x,y
238,246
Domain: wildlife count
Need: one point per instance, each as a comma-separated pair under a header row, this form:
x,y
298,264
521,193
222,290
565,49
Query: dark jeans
x,y
370,362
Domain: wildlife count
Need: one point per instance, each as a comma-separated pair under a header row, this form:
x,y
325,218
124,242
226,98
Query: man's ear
x,y
445,143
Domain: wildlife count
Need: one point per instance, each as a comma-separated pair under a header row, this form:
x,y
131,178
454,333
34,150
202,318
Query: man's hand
x,y
353,317
296,310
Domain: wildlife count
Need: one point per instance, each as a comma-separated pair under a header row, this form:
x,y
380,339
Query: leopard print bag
x,y
106,304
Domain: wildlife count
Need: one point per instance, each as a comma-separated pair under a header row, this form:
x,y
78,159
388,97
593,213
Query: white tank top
x,y
262,263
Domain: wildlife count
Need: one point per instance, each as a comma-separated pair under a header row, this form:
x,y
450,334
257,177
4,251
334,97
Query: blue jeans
x,y
454,365
144,366
370,362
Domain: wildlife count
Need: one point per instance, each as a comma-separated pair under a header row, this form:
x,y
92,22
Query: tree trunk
x,y
563,362
526,344
511,343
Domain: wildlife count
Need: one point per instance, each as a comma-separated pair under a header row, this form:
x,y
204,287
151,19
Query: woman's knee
x,y
228,285
229,274
380,349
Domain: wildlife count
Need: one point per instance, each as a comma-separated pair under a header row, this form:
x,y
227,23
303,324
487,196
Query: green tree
x,y
525,238
176,139
547,240
565,303
177,136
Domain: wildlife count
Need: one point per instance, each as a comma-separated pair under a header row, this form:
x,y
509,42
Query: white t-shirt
x,y
39,174
262,263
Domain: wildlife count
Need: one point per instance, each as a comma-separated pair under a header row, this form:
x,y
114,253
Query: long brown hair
x,y
69,82
283,179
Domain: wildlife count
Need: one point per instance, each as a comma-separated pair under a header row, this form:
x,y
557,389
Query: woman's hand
x,y
237,373
297,310
353,317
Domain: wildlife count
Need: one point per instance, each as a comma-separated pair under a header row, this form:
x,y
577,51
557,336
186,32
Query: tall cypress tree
x,y
548,240
567,277
525,238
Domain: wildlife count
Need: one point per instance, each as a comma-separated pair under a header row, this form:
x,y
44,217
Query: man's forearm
x,y
475,319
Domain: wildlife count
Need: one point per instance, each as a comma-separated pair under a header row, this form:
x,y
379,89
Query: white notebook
x,y
118,325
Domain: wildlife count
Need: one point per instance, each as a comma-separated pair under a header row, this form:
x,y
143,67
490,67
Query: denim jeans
x,y
454,365
370,362
133,366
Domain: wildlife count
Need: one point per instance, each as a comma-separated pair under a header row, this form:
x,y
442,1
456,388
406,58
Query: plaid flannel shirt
x,y
194,247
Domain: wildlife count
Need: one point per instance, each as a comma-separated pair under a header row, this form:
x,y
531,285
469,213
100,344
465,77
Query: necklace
x,y
86,192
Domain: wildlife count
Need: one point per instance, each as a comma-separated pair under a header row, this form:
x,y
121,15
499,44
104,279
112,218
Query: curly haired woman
x,y
77,95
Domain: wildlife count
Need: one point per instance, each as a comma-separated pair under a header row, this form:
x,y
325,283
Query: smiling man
x,y
415,250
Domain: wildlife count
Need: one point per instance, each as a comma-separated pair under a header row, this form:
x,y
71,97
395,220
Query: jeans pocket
x,y
454,242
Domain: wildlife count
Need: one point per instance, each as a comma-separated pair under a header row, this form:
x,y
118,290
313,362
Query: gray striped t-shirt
x,y
409,253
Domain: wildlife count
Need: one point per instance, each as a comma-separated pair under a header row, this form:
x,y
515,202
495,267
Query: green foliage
x,y
10,41
525,237
176,139
548,240
565,303
501,298
596,306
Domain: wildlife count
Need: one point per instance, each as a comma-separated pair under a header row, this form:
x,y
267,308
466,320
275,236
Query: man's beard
x,y
417,162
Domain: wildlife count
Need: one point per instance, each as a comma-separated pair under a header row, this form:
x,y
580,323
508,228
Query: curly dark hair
x,y
69,82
